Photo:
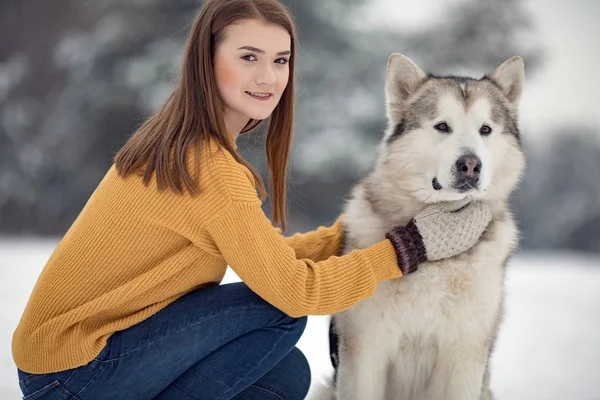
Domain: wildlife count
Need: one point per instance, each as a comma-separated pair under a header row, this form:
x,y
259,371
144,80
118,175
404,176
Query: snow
x,y
548,347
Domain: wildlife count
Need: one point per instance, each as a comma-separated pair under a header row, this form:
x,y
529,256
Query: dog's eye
x,y
442,127
485,130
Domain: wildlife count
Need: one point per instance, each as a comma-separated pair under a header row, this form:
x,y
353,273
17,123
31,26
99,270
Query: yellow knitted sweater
x,y
133,250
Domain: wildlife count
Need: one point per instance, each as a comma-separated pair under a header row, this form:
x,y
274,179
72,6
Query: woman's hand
x,y
440,231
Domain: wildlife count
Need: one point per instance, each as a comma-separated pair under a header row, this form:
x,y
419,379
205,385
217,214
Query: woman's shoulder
x,y
218,165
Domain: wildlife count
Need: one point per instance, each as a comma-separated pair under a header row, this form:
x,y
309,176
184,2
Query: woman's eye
x,y
442,127
249,57
282,61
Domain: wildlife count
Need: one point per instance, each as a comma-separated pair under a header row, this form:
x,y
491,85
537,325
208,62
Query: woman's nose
x,y
266,76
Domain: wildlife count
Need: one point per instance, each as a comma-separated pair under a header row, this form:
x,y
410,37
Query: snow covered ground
x,y
548,348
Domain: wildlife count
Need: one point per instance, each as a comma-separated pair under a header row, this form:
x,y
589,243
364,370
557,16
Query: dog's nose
x,y
469,166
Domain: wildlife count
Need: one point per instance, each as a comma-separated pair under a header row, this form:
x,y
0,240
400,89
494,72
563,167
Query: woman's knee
x,y
299,324
294,328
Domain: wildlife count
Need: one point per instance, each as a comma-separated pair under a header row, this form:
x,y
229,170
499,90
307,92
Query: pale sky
x,y
565,90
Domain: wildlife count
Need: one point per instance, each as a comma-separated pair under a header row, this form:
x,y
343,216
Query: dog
x,y
429,335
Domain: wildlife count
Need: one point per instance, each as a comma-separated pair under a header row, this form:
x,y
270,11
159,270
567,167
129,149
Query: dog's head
x,y
449,137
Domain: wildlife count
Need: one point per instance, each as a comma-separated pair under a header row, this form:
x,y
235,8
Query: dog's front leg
x,y
362,371
456,376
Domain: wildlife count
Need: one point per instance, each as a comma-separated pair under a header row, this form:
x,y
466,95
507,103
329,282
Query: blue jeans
x,y
222,342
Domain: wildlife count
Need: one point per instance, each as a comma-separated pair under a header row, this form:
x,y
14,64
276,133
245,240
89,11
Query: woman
x,y
129,305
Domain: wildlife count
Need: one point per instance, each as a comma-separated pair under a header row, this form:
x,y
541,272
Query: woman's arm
x,y
262,258
320,244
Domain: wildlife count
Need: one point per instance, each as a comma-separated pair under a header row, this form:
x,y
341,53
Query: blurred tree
x,y
557,204
79,76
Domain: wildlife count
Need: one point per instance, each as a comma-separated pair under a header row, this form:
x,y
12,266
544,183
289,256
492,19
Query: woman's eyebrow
x,y
257,50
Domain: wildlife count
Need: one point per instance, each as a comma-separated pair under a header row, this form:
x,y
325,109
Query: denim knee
x,y
299,324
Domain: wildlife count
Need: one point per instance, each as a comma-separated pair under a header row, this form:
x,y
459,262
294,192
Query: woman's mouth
x,y
259,95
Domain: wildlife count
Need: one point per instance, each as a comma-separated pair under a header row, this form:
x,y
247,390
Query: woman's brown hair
x,y
194,111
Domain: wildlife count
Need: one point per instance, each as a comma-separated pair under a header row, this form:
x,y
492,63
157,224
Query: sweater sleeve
x,y
320,244
269,266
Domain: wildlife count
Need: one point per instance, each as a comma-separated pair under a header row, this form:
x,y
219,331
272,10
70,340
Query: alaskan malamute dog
x,y
429,335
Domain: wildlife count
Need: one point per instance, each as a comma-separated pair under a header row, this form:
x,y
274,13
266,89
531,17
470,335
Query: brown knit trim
x,y
421,252
408,243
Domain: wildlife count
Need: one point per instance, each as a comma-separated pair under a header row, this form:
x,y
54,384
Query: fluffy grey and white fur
x,y
429,335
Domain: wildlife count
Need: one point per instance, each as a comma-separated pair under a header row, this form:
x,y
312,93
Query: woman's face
x,y
252,71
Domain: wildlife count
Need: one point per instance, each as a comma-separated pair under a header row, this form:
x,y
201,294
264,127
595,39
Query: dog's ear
x,y
402,79
511,76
